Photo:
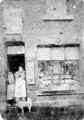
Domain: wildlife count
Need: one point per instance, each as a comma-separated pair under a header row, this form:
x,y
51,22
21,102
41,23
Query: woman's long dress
x,y
20,85
10,86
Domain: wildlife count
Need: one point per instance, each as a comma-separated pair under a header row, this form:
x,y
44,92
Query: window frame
x,y
51,46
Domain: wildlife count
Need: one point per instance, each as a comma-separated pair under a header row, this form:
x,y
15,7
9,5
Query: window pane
x,y
71,53
55,74
72,70
76,70
62,70
68,70
43,53
15,50
58,53
48,73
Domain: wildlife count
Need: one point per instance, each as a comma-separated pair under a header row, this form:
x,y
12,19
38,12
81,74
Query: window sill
x,y
58,18
61,92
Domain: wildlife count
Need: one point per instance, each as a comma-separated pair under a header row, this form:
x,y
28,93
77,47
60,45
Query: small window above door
x,y
15,50
15,47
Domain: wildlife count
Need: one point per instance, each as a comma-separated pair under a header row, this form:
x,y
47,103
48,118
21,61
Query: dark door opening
x,y
14,61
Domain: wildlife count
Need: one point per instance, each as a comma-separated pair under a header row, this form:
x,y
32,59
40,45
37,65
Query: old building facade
x,y
46,37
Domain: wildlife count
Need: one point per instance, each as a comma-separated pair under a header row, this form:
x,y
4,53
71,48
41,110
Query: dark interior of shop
x,y
14,61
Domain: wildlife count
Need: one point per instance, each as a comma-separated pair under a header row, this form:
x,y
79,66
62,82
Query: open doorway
x,y
15,72
14,61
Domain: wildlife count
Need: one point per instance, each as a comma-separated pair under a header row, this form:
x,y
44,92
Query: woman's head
x,y
20,68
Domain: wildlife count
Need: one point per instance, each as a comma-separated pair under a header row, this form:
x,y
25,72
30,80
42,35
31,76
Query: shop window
x,y
57,65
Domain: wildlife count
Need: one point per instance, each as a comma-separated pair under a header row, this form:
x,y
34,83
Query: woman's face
x,y
20,69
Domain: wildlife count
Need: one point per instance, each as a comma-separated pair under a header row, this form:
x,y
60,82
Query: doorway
x,y
15,59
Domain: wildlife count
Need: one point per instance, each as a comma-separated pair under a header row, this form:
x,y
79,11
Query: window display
x,y
58,71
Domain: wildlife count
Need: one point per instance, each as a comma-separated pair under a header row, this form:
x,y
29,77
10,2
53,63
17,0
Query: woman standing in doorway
x,y
20,84
10,88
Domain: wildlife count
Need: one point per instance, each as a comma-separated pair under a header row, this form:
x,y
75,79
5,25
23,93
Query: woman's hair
x,y
20,67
